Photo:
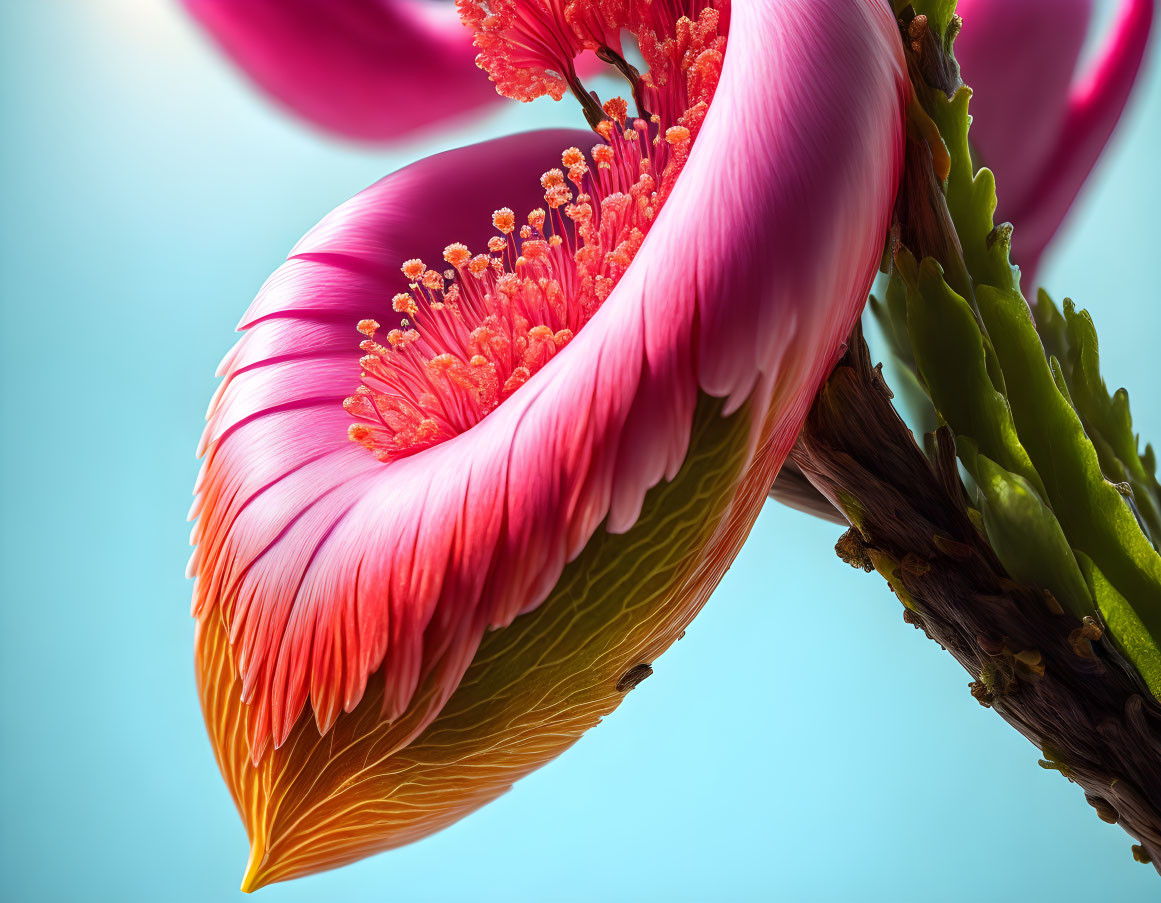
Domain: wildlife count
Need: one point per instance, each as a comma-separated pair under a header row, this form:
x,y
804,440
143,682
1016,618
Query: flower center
x,y
470,335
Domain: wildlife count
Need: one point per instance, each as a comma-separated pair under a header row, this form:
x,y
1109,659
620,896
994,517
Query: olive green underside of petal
x,y
531,691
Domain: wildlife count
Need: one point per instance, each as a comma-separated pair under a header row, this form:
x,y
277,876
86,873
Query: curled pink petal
x,y
1037,124
745,289
366,69
329,568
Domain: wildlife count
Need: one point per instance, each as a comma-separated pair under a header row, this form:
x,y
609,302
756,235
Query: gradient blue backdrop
x,y
801,743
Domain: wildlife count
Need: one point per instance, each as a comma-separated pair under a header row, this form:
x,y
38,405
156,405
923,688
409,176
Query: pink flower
x,y
365,69
429,560
1038,124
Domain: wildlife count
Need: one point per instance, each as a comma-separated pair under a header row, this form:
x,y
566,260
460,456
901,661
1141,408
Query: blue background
x,y
801,743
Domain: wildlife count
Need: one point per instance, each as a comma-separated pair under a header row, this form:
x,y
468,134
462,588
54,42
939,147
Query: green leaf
x,y
1052,327
1026,536
949,352
891,315
971,196
1095,517
1107,419
1127,630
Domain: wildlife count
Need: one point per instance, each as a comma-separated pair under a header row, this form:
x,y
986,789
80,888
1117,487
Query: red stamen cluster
x,y
471,335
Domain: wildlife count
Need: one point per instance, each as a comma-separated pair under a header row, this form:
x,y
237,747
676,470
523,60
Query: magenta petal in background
x,y
1038,122
365,69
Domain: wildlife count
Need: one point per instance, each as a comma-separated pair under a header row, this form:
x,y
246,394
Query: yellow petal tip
x,y
254,879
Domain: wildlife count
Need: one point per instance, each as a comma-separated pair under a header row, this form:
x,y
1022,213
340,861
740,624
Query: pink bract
x,y
1041,124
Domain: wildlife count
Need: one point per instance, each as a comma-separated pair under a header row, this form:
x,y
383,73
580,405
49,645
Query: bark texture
x,y
1058,681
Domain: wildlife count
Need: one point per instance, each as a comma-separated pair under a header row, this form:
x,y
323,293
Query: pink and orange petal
x,y
425,455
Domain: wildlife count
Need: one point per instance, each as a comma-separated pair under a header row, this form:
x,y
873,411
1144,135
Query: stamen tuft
x,y
457,255
617,109
479,265
403,303
464,345
504,220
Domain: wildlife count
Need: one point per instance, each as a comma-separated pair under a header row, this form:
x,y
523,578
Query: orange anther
x,y
479,265
457,255
504,220
403,303
552,179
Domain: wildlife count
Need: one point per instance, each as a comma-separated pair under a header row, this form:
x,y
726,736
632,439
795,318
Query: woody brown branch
x,y
1056,679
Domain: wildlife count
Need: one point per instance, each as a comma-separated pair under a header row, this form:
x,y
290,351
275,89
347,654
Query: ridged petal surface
x,y
368,588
